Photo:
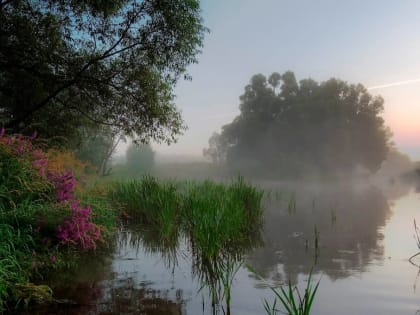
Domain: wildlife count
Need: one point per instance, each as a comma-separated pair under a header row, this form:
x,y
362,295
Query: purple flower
x,y
33,135
78,229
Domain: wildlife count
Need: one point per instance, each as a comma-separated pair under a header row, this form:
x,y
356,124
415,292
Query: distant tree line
x,y
293,128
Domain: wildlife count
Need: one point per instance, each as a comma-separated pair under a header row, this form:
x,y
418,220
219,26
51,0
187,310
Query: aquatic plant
x,y
290,297
149,201
221,217
293,302
291,206
220,221
417,239
217,276
215,216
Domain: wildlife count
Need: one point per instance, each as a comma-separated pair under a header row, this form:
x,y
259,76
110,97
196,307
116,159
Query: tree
x,y
289,128
98,146
140,159
64,64
215,152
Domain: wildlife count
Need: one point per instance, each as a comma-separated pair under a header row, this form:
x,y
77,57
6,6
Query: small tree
x,y
216,151
140,159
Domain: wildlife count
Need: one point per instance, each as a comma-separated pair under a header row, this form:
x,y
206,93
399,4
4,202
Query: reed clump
x,y
220,221
214,216
221,216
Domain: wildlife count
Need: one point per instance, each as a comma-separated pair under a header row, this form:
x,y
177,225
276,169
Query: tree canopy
x,y
66,64
140,159
289,127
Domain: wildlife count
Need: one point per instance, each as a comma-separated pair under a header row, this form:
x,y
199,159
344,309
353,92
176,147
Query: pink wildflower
x,y
33,135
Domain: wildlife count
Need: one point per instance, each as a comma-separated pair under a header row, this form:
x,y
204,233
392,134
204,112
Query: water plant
x,y
214,216
150,202
292,300
417,239
222,216
219,221
217,276
291,207
290,297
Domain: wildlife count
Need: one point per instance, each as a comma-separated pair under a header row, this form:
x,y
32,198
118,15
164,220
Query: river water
x,y
357,239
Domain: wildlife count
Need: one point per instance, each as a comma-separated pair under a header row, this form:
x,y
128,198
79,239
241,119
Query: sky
x,y
375,42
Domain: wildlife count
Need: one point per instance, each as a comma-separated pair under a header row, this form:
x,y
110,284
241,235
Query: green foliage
x,y
216,217
220,221
13,251
71,64
216,151
95,145
104,215
150,202
222,217
35,199
293,302
289,128
140,159
19,181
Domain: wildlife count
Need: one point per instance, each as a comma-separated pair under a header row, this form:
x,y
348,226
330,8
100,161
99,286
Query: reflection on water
x,y
358,237
337,231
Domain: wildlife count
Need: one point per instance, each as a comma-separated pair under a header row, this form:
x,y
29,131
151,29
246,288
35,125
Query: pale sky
x,y
373,42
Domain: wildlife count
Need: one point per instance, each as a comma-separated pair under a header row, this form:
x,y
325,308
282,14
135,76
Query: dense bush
x,y
41,216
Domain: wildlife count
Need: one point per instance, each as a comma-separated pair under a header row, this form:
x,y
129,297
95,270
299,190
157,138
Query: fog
x,y
371,130
372,43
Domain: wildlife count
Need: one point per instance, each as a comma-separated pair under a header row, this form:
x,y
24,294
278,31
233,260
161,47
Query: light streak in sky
x,y
394,84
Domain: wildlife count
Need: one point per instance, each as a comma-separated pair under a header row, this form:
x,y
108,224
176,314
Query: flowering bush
x,y
59,162
76,229
79,229
64,184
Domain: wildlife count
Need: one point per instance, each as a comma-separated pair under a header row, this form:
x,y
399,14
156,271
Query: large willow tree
x,y
68,64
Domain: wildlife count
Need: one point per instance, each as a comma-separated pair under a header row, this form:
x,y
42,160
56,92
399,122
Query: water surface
x,y
356,238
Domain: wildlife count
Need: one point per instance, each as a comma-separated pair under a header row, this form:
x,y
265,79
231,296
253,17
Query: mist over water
x,y
191,157
354,233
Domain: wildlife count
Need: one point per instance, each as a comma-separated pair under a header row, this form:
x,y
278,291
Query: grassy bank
x,y
46,220
49,218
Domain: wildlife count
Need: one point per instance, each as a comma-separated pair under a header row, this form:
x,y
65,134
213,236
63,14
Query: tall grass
x,y
214,216
15,253
417,239
290,298
35,200
222,217
220,222
149,202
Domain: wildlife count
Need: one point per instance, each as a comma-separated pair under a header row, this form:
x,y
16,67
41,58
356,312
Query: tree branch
x,y
4,3
86,115
107,53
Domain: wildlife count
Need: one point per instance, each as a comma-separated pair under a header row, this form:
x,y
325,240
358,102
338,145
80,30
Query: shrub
x,y
40,212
